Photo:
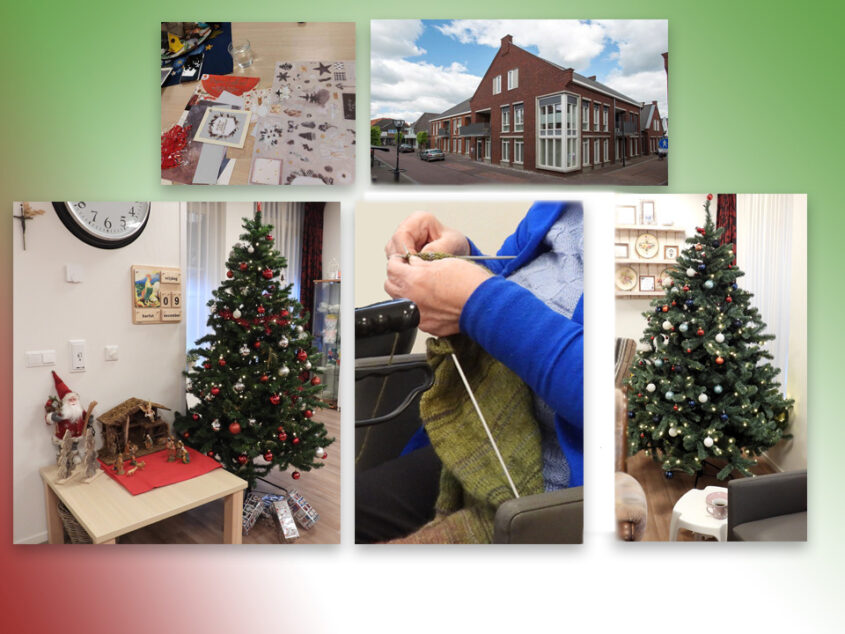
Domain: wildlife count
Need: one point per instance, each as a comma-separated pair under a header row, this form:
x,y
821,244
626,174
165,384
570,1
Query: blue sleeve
x,y
544,348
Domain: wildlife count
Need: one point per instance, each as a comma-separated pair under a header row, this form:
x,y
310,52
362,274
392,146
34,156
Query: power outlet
x,y
77,355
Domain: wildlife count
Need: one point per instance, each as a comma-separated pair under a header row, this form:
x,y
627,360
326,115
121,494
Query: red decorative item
x,y
210,454
674,303
242,266
729,299
215,391
284,313
260,310
275,399
675,407
316,381
665,309
325,455
173,142
304,376
242,459
308,413
267,273
689,350
214,85
294,398
295,440
206,365
235,428
268,456
700,332
282,436
686,288
295,475
221,362
709,196
229,274
186,435
698,247
256,345
269,238
195,416
301,355
264,378
719,360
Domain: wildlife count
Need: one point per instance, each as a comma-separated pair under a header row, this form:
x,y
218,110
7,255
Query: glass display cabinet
x,y
327,336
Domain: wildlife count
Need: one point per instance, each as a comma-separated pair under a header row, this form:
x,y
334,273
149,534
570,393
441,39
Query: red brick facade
x,y
653,129
544,106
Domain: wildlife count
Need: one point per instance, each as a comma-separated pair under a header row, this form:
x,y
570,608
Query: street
x,y
460,170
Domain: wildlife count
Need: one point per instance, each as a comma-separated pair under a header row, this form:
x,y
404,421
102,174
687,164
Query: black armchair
x,y
768,508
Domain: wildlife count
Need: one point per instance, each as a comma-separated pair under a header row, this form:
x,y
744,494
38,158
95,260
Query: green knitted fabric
x,y
472,483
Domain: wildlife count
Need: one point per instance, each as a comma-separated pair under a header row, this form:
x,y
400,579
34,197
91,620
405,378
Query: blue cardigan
x,y
544,348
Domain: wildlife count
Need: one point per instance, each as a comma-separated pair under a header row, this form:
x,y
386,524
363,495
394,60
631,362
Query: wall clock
x,y
646,245
105,225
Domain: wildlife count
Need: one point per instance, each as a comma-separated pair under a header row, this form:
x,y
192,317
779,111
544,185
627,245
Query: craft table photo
x,y
271,43
690,512
106,510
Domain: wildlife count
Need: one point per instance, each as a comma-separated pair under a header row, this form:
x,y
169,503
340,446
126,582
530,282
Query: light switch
x,y
74,273
48,357
77,355
37,358
33,359
111,353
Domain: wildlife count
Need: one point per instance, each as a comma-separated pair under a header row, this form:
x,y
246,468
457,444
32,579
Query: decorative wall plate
x,y
646,245
626,278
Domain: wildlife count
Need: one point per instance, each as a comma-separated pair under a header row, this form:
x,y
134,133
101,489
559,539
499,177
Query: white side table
x,y
690,512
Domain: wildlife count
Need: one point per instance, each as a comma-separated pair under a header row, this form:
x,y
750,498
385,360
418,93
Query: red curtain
x,y
726,217
312,255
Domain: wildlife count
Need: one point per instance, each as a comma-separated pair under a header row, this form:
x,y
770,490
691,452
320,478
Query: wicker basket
x,y
74,533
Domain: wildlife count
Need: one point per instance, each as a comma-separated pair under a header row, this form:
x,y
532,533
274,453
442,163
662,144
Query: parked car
x,y
433,155
405,148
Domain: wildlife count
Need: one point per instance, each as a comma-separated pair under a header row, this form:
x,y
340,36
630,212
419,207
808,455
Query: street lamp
x,y
400,125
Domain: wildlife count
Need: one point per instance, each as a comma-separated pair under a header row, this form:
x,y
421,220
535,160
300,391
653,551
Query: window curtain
x,y
312,255
764,237
287,220
206,264
726,217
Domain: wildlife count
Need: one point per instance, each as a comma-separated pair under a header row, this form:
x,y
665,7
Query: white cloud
x,y
395,38
640,43
644,86
570,43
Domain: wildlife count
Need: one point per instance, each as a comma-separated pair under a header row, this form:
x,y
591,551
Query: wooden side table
x,y
106,510
690,512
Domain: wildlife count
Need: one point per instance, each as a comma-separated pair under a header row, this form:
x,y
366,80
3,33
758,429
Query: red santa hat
x,y
61,389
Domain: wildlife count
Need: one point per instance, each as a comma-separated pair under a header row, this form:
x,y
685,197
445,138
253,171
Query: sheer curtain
x,y
206,263
287,220
764,248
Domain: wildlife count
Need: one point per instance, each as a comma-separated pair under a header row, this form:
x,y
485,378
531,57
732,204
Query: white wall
x,y
48,312
331,237
687,211
486,223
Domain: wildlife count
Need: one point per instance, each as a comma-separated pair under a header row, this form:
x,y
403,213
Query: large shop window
x,y
558,113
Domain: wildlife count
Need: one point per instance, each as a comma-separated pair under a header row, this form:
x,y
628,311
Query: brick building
x,y
530,113
652,128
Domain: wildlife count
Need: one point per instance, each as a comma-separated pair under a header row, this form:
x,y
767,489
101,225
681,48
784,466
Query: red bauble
x,y
674,303
282,437
642,435
242,459
267,330
186,435
269,238
295,475
295,440
284,313
215,391
268,456
301,355
206,365
210,454
221,362
256,345
665,309
308,413
689,350
639,394
196,416
264,378
229,274
275,399
719,360
325,455
267,273
242,266
729,299
700,332
709,196
235,428
316,381
675,407
260,310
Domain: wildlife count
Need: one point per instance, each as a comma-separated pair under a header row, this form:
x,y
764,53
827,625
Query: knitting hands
x,y
439,289
421,231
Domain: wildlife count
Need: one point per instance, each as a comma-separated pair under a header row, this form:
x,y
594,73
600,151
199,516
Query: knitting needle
x,y
437,256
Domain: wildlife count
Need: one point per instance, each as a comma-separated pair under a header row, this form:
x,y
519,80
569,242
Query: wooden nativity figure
x,y
92,467
65,460
66,413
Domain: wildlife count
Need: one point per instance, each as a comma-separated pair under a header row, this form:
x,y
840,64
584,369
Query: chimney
x,y
654,103
506,43
592,77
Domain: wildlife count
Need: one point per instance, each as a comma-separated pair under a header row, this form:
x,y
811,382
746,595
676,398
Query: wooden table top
x,y
106,510
271,42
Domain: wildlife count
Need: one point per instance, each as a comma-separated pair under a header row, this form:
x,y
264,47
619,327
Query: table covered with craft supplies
x,y
286,119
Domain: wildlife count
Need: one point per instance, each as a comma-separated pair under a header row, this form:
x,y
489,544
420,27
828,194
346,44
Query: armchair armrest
x,y
556,517
752,499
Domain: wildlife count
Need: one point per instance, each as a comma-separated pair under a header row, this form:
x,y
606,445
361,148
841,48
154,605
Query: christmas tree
x,y
256,387
703,389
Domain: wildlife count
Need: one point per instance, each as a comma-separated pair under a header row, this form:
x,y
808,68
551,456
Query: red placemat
x,y
214,85
159,473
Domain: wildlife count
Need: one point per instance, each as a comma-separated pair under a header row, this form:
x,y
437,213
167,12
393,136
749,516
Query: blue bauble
x,y
656,419
689,303
658,363
691,403
737,323
724,417
717,389
630,413
658,310
715,244
679,368
702,267
734,285
670,395
708,284
669,475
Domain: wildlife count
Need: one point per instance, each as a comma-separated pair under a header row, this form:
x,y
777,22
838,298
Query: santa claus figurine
x,y
66,413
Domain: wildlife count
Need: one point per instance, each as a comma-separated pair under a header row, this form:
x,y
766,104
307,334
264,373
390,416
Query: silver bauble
x,y
284,370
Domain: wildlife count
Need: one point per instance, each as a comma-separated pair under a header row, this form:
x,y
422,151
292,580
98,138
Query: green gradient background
x,y
755,98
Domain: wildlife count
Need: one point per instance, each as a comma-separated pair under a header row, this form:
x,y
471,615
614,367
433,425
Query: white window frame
x,y
585,152
596,152
558,138
487,148
497,84
605,146
506,153
604,116
518,122
506,118
596,112
585,116
513,78
518,151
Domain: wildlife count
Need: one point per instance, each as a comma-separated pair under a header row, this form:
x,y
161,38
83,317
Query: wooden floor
x,y
321,487
662,494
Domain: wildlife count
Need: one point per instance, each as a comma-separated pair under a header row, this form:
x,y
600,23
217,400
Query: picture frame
x,y
671,252
156,294
647,283
620,250
626,215
648,214
223,126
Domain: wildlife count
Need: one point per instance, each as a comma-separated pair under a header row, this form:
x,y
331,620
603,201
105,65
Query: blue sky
x,y
429,65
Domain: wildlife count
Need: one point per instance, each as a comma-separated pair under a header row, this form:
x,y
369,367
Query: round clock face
x,y
106,225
